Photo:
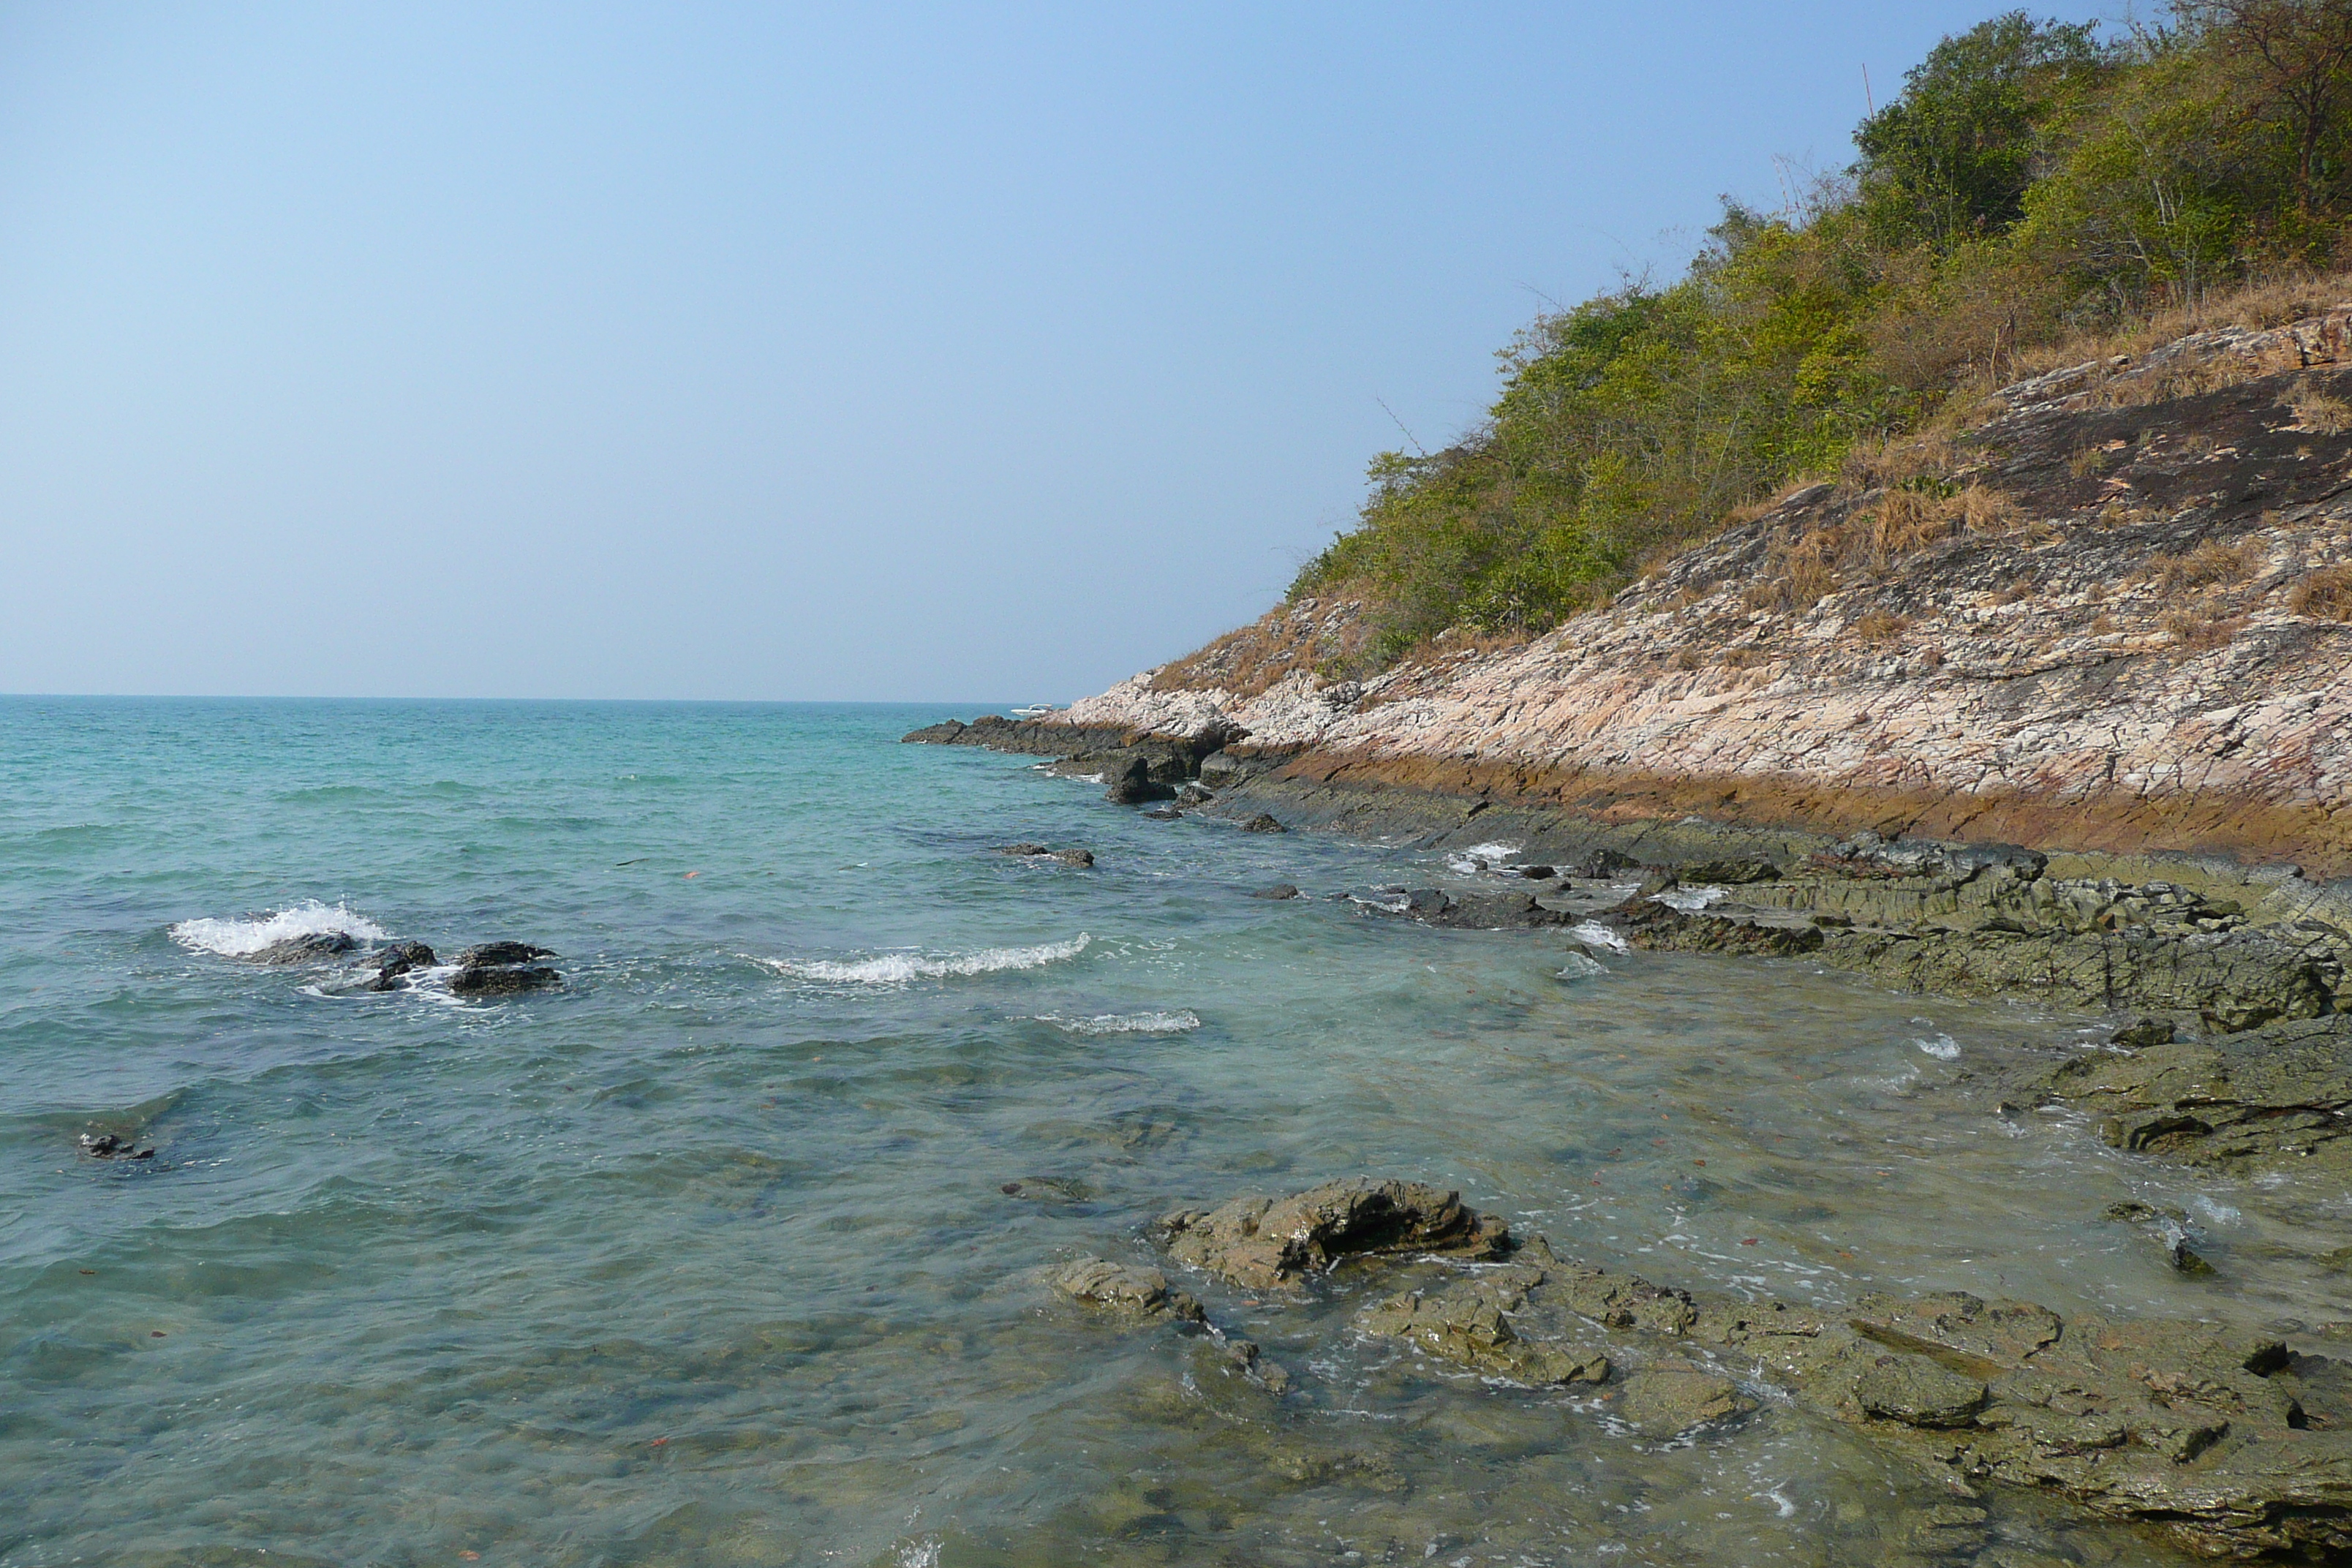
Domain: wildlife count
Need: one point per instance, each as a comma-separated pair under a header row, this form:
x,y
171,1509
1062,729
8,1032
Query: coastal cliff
x,y
2113,616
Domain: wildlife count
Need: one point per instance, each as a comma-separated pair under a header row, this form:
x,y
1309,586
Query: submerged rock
x,y
1128,1292
1279,891
1266,1243
1078,858
112,1146
2194,1430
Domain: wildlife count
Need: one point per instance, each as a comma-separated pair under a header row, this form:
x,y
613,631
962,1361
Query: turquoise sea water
x,y
706,1256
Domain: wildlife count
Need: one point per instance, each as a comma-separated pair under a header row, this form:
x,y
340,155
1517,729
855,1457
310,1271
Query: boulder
x,y
1279,891
1261,822
112,1146
1267,1244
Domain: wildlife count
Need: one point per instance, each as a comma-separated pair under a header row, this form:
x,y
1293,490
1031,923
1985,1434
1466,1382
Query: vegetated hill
x,y
2113,612
2031,183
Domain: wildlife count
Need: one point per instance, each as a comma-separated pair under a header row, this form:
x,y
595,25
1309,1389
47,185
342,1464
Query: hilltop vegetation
x,y
2032,185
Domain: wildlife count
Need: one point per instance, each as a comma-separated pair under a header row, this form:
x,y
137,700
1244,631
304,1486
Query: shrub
x,y
2325,593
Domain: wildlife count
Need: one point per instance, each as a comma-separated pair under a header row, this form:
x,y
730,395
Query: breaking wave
x,y
1480,857
898,968
1690,900
1943,1047
1175,1023
251,933
1592,933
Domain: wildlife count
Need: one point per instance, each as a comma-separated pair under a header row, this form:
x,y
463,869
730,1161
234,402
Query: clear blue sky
x,y
770,352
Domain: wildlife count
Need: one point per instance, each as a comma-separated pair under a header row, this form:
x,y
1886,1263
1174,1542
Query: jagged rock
x,y
1027,851
1279,891
1078,858
1163,814
1245,1355
398,959
1603,864
1261,822
1267,1244
1124,1290
1023,849
2278,1098
1466,911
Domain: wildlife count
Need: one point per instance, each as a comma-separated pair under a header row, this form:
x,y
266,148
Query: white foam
x,y
238,938
1173,1023
1480,857
1592,933
1943,1047
899,968
1690,900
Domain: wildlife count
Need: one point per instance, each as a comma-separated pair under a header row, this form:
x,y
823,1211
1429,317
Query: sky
x,y
775,352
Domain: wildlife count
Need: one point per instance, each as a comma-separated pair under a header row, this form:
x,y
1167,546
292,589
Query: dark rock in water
x,y
112,1146
1124,1290
400,958
502,978
1603,863
1266,1243
1040,852
1049,1189
2141,1032
1532,873
1132,785
1191,793
1663,882
1245,1355
302,949
496,953
1279,891
1163,814
1728,872
1494,911
1261,822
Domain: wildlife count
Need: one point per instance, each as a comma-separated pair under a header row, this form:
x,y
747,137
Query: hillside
x,y
2112,615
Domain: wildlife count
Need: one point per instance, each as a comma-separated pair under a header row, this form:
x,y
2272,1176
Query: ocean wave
x,y
1592,933
1580,966
898,968
1690,900
1943,1047
251,933
1172,1023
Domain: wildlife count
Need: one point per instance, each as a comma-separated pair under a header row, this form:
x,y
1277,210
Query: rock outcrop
x,y
2222,1440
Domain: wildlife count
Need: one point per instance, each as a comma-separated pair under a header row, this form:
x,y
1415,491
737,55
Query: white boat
x,y
1038,710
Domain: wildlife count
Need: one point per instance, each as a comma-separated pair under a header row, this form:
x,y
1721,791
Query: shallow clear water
x,y
705,1257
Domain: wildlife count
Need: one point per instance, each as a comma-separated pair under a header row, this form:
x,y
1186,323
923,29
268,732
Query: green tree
x,y
1952,159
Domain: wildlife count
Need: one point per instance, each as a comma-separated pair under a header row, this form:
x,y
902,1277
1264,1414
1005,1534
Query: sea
x,y
735,1247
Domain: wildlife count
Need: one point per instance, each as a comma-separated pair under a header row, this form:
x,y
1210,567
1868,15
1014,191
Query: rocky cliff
x,y
2112,615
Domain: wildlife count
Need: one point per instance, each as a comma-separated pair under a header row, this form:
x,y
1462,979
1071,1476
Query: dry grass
x,y
1286,639
2325,593
2315,411
1801,570
2194,628
2095,459
1879,627
2209,565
